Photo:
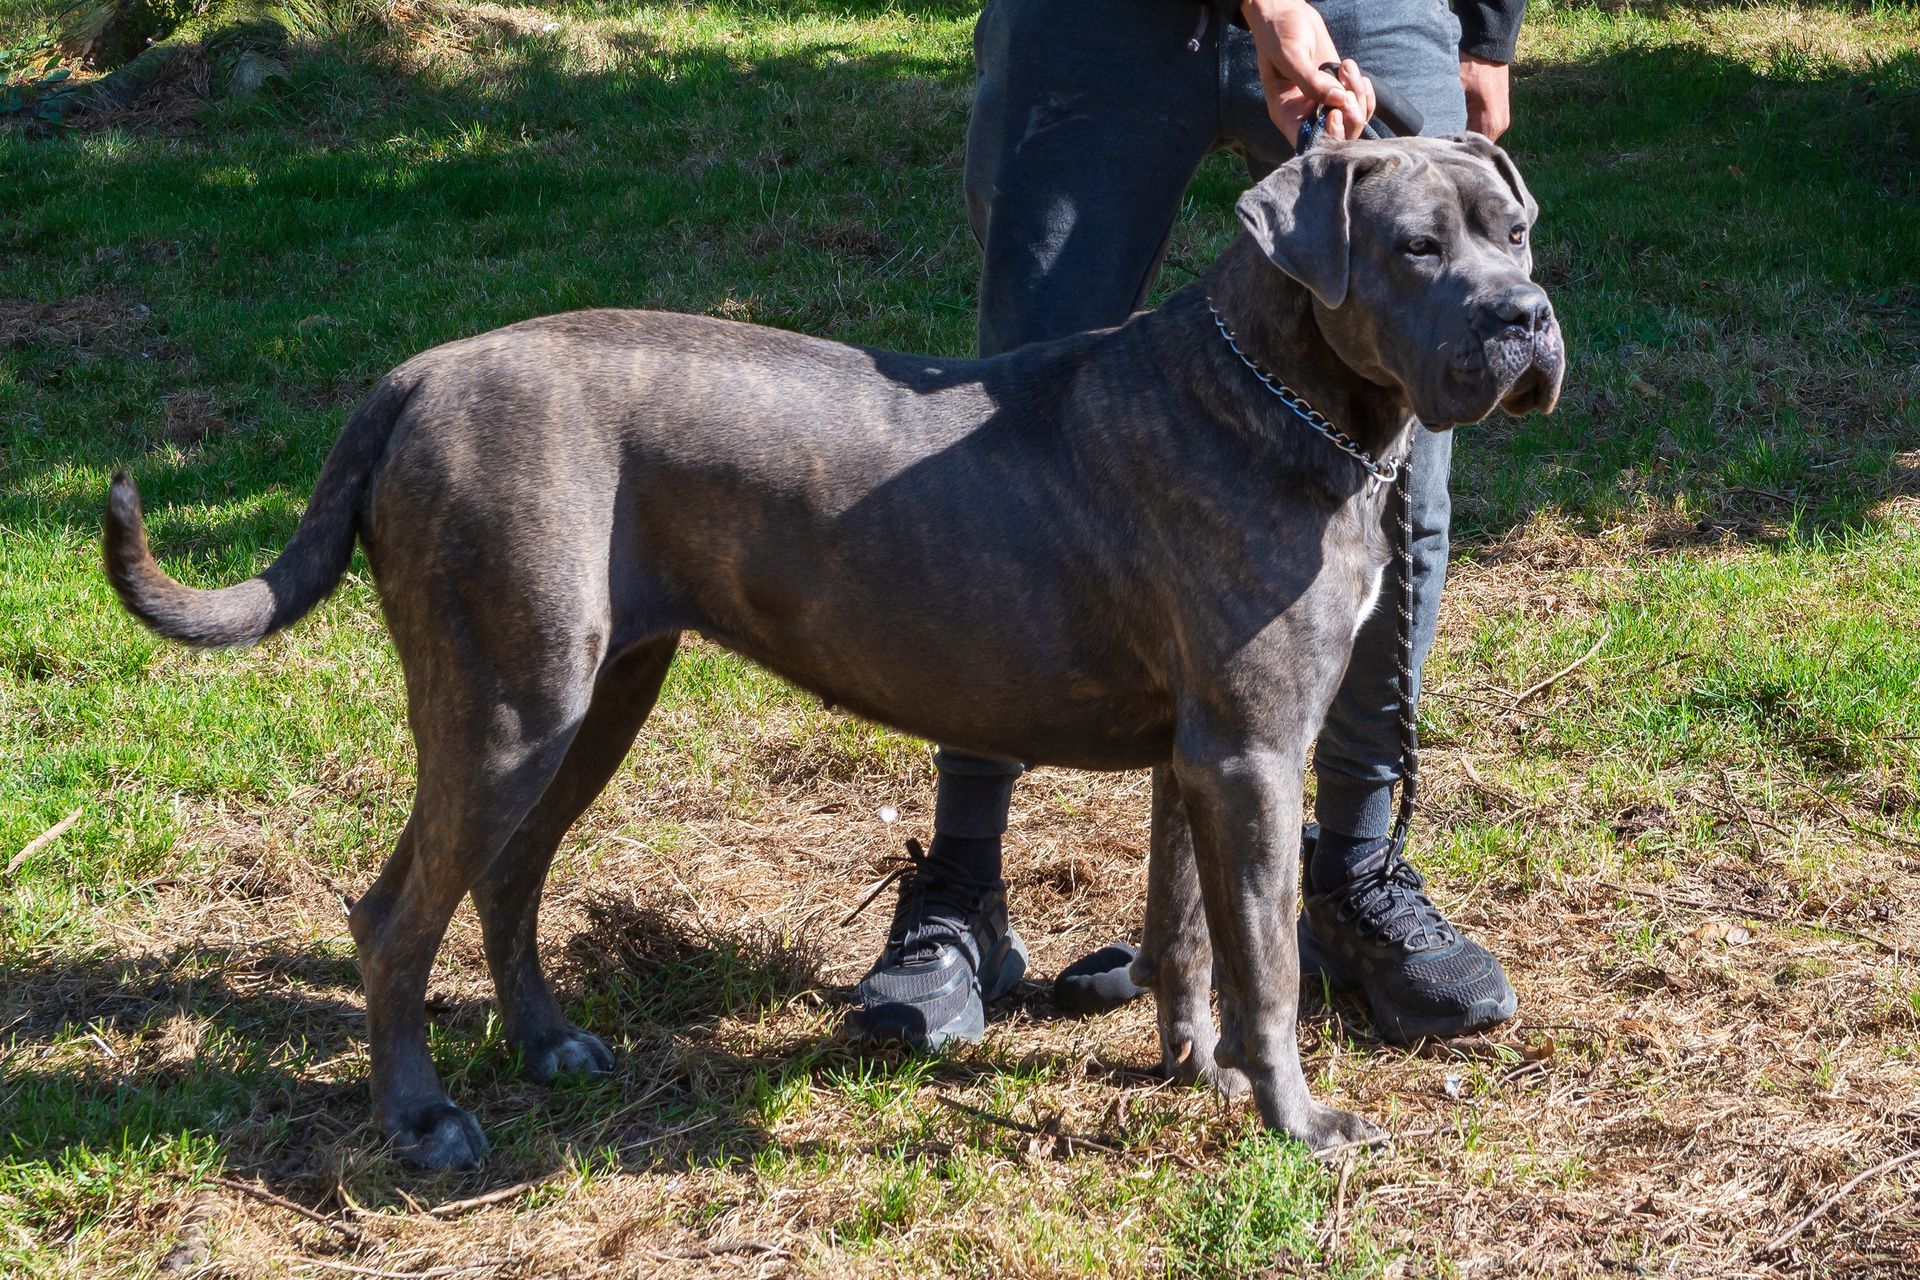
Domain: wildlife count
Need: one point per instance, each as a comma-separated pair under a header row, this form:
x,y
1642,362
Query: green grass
x,y
1730,235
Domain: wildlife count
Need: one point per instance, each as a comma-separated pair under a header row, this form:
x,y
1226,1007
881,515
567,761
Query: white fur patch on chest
x,y
1369,598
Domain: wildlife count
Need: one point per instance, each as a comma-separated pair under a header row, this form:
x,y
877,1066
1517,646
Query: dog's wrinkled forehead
x,y
1463,169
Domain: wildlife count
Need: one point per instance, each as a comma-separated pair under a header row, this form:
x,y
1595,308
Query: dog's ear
x,y
1298,216
1487,149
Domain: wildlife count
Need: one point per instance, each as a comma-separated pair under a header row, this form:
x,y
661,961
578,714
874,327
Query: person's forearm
x,y
1489,29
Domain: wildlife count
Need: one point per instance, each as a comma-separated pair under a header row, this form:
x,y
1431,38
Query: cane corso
x,y
1113,551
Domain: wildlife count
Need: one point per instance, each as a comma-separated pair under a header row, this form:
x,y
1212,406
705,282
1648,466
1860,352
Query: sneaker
x,y
1098,982
950,952
1380,935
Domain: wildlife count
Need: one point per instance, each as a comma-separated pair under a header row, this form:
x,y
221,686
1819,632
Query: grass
x,y
1694,849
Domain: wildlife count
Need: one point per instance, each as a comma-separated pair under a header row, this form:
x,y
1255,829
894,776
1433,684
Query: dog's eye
x,y
1519,233
1423,246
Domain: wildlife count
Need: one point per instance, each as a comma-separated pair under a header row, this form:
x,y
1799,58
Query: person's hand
x,y
1290,41
1489,110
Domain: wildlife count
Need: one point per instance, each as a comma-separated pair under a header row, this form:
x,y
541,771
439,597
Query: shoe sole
x,y
1007,962
1394,1021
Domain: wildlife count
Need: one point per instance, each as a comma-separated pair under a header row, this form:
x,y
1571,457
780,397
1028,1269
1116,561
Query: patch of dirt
x,y
92,324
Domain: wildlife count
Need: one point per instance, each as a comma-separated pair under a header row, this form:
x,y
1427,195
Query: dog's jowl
x,y
1114,551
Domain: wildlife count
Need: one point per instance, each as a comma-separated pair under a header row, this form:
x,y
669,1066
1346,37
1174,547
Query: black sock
x,y
973,859
1336,855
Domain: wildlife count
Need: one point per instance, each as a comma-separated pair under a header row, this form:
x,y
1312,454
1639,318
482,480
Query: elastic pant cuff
x,y
974,797
1362,808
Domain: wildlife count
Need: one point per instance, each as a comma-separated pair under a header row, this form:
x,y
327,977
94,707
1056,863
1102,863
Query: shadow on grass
x,y
259,1050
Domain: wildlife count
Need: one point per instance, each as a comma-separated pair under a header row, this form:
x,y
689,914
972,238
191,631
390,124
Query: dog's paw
x,y
1329,1130
569,1052
438,1136
1192,1063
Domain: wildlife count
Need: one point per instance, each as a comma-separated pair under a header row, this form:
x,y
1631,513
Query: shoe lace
x,y
932,911
1389,901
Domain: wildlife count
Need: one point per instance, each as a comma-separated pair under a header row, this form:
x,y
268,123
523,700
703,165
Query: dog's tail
x,y
303,575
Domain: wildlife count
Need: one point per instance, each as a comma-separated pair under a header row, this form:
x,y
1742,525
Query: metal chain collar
x,y
1382,472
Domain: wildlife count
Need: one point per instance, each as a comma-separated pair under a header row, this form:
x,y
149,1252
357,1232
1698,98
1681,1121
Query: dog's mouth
x,y
1517,371
1538,363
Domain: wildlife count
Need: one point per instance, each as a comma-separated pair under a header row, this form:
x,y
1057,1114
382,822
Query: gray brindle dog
x,y
1113,551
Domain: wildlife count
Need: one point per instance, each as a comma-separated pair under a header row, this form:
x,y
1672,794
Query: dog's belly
x,y
1035,714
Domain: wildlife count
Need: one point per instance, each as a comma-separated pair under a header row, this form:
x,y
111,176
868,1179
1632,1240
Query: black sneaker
x,y
950,952
1381,935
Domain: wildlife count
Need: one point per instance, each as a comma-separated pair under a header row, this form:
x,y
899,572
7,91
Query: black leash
x,y
1401,119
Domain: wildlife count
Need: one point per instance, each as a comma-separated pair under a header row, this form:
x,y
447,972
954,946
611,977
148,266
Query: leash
x,y
1404,120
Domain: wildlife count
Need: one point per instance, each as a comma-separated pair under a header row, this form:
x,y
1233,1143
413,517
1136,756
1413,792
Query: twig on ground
x,y
42,840
1384,1140
454,1208
1489,789
1485,702
1885,1166
1763,493
1850,820
1032,1130
717,1250
431,1273
345,1230
1756,913
1565,671
1759,849
1339,1204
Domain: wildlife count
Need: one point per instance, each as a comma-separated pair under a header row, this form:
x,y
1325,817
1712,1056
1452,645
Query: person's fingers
x,y
1359,108
1315,83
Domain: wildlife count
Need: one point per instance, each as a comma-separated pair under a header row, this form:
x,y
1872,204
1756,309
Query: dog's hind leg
x,y
491,739
1176,954
507,896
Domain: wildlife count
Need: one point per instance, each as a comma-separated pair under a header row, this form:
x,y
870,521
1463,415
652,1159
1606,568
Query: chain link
x,y
1382,472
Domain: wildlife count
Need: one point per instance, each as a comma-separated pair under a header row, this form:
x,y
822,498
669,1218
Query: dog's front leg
x,y
1242,800
1176,953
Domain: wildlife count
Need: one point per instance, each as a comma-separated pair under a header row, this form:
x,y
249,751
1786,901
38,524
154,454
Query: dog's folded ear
x,y
1298,216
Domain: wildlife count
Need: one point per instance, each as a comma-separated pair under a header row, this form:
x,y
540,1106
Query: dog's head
x,y
1418,252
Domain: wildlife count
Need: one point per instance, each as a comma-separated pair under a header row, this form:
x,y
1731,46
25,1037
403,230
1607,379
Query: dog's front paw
x,y
568,1052
1328,1130
437,1136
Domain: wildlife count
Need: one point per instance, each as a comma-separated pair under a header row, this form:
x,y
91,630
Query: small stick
x,y
1842,814
453,1269
1755,913
1885,1166
1759,849
1485,702
1032,1130
454,1208
345,1230
42,840
717,1250
1384,1140
1571,667
1340,1203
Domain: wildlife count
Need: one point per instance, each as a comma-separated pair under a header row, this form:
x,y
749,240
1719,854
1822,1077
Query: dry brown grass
x,y
1701,1060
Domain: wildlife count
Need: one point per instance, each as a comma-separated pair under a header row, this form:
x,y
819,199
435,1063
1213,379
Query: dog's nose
x,y
1524,307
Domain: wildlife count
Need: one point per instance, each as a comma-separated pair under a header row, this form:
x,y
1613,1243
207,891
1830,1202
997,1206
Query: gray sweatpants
x,y
1089,119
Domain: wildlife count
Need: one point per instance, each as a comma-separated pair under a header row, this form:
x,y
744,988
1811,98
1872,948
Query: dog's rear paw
x,y
572,1052
1194,1064
438,1136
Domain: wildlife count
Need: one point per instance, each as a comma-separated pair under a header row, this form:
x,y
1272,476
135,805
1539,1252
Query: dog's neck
x,y
1272,318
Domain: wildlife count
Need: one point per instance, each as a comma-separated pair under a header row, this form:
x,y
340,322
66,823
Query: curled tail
x,y
303,575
